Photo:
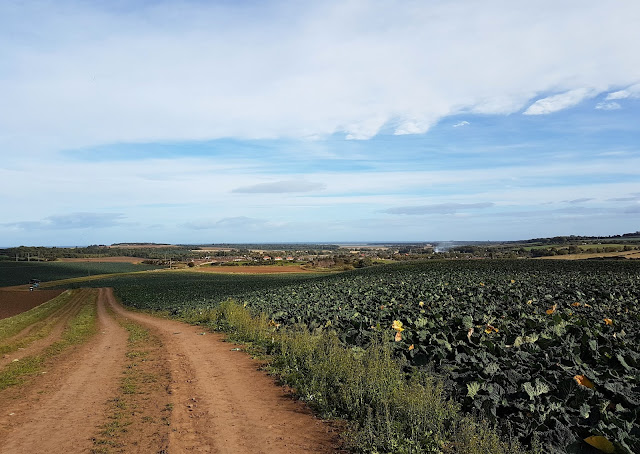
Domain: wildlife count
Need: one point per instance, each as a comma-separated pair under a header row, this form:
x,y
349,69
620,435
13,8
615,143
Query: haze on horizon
x,y
183,121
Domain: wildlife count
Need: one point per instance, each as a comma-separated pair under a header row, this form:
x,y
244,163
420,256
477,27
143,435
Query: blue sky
x,y
190,121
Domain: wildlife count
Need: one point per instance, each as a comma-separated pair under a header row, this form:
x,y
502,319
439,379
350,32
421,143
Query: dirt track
x,y
220,402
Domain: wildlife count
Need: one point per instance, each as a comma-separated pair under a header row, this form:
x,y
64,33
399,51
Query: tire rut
x,y
61,412
222,403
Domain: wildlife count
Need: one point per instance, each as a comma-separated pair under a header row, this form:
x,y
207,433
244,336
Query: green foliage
x,y
176,292
512,327
390,412
18,273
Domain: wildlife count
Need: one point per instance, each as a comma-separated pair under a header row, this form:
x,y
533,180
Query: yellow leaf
x,y
530,302
421,303
513,281
552,310
398,337
608,321
577,304
584,381
601,443
397,325
490,329
411,347
481,284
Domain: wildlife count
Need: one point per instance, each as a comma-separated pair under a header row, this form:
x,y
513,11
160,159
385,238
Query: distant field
x,y
175,290
258,269
13,302
633,255
19,273
120,259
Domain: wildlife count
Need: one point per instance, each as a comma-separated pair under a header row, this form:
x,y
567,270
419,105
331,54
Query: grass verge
x,y
79,329
137,407
387,411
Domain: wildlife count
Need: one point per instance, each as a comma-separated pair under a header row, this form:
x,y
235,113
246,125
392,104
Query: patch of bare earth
x,y
180,390
54,325
14,302
60,411
222,403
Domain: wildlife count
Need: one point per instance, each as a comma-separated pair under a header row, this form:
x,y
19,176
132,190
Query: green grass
x,y
80,329
388,411
134,382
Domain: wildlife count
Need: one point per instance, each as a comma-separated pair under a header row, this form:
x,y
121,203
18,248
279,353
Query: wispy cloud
x,y
630,92
156,112
280,187
578,201
71,221
441,208
178,70
608,106
243,223
560,101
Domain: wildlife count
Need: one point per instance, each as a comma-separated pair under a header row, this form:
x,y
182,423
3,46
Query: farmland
x,y
18,273
546,350
13,302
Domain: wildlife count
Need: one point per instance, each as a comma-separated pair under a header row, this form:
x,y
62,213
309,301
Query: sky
x,y
199,121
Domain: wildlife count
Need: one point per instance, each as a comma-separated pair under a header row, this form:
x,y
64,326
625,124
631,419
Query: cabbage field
x,y
19,273
546,350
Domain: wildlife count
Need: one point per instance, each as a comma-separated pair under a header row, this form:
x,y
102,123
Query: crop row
x,y
547,350
18,273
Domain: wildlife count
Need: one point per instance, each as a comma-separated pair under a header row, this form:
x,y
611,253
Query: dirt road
x,y
219,402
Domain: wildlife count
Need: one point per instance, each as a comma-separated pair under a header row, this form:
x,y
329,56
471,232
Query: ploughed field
x,y
13,302
547,350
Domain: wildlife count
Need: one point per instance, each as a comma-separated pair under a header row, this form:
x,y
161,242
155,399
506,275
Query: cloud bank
x,y
71,221
90,73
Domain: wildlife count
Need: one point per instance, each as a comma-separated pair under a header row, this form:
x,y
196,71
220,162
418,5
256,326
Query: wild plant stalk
x,y
387,410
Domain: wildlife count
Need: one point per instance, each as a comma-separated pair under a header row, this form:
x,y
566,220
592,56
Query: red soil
x,y
13,302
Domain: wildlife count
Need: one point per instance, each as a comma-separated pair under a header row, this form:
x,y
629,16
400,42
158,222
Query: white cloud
x,y
608,106
558,102
461,123
580,200
630,92
71,221
243,223
441,208
89,73
279,187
